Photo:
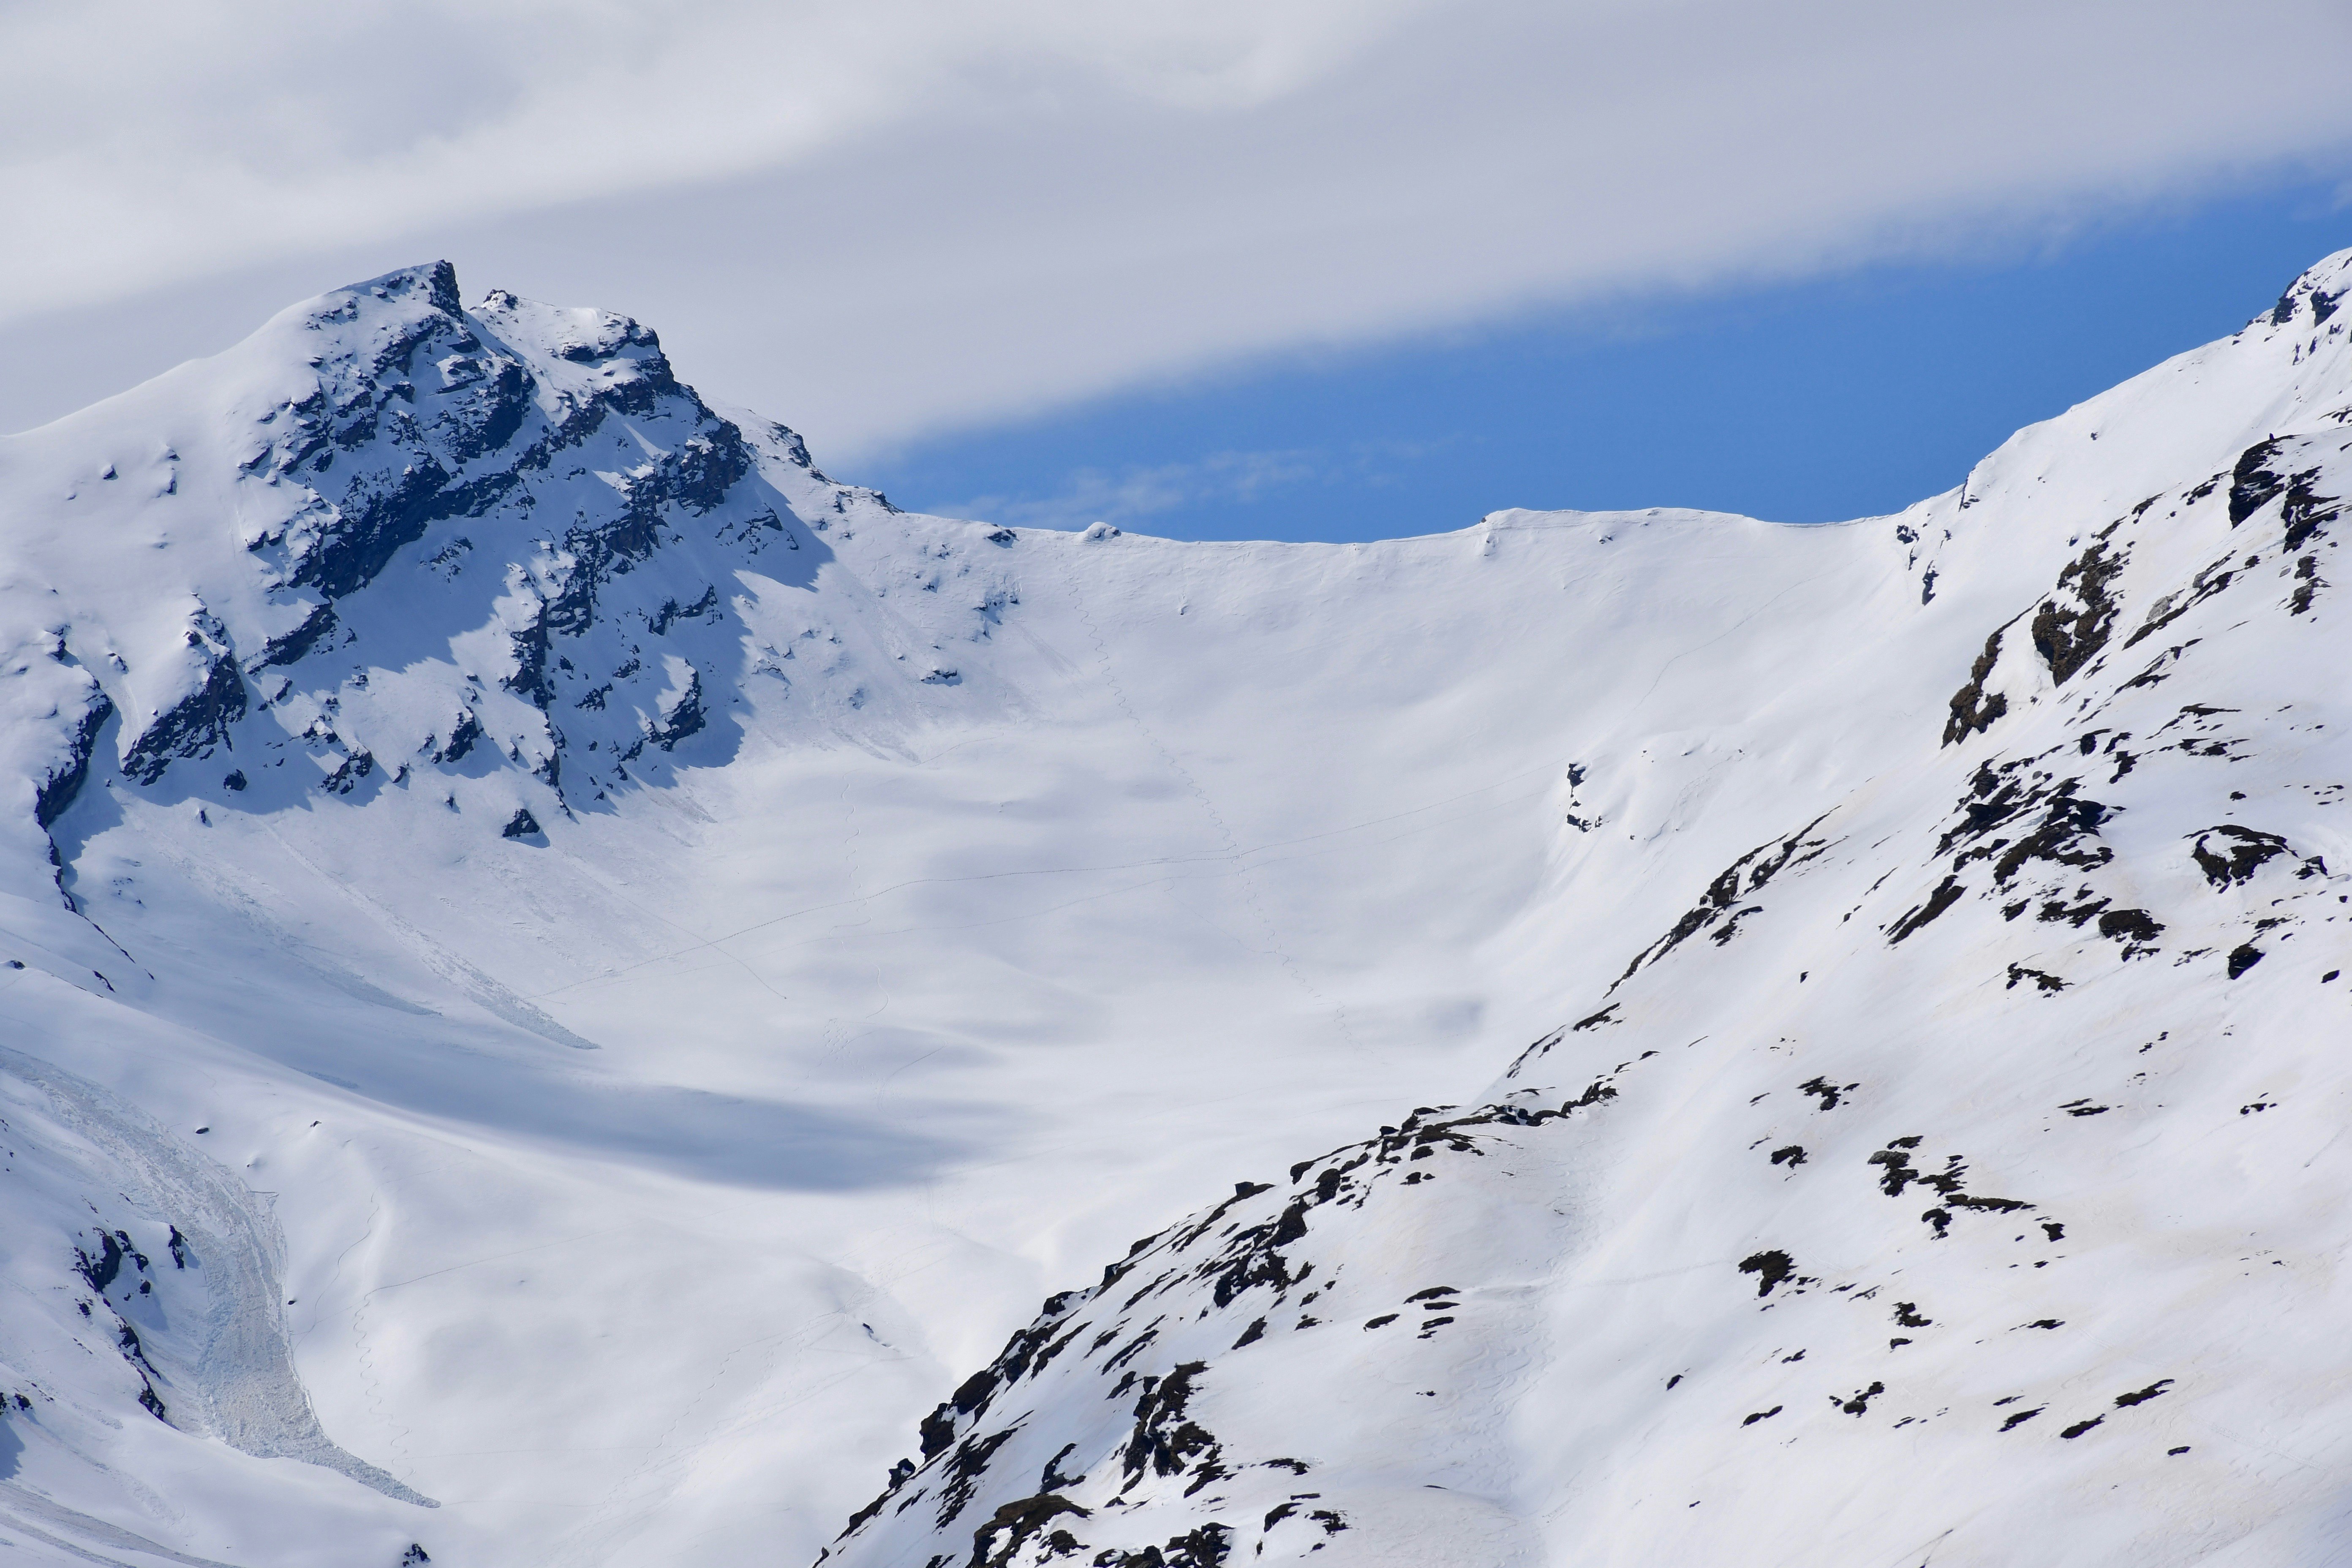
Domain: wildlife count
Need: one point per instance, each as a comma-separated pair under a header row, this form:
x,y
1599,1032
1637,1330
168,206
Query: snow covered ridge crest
x,y
386,534
1945,1160
1715,1275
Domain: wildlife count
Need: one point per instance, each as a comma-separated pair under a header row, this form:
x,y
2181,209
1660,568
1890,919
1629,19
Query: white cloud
x,y
1136,494
167,136
883,219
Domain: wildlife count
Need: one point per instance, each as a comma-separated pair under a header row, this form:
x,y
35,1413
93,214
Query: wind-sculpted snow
x,y
1929,930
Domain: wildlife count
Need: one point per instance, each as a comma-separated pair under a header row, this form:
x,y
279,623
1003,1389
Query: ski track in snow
x,y
1228,848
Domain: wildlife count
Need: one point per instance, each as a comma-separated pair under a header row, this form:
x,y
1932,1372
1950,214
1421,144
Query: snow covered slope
x,y
578,977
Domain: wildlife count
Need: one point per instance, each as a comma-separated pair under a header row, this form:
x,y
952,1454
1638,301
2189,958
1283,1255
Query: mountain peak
x,y
400,535
2316,295
427,286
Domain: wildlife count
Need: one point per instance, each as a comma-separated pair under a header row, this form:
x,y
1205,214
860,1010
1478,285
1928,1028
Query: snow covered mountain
x,y
570,979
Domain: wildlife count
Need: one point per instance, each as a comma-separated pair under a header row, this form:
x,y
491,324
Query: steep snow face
x,y
577,977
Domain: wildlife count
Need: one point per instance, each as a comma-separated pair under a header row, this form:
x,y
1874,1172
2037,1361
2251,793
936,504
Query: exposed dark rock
x,y
2255,481
1164,1441
964,1466
1972,711
195,725
1770,1269
2170,607
355,766
1945,896
57,790
2137,925
1722,902
1999,796
101,1271
1859,1402
528,679
2229,854
288,648
2067,636
2304,512
682,718
1988,1206
997,1543
463,737
1205,1547
2308,582
671,611
1829,1094
2264,473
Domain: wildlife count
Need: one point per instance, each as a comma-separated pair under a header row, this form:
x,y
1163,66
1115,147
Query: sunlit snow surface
x,y
591,977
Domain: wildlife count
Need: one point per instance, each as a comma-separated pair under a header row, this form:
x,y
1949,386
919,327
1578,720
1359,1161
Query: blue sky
x,y
1822,400
1292,267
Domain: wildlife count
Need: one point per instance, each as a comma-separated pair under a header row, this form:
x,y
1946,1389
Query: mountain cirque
x,y
570,978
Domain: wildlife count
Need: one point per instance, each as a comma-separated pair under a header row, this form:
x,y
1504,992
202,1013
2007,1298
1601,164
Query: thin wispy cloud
x,y
1133,496
1140,495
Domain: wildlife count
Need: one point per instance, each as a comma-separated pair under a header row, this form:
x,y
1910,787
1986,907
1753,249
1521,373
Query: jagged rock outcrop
x,y
508,529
